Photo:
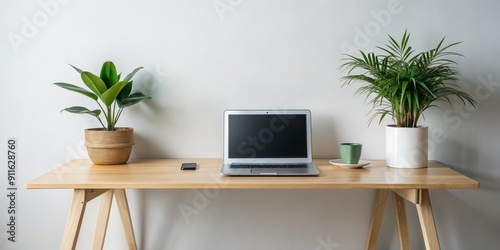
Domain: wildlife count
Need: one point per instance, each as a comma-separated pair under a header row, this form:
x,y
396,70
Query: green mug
x,y
350,152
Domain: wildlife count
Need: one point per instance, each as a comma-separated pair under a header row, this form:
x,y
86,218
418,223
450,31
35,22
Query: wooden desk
x,y
90,181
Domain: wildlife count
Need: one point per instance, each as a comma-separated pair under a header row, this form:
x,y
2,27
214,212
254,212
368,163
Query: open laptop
x,y
268,142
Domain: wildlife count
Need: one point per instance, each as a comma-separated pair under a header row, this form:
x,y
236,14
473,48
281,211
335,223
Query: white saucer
x,y
340,163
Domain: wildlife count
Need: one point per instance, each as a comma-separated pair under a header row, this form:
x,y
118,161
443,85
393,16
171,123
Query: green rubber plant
x,y
111,94
403,84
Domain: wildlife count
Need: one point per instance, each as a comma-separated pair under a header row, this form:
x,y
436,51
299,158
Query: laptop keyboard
x,y
268,166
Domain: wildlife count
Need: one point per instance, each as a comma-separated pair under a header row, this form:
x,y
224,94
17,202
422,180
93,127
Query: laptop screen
x,y
267,135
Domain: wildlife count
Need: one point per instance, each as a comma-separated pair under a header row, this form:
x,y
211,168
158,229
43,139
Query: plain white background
x,y
202,57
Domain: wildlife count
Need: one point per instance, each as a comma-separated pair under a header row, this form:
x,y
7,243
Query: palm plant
x,y
111,94
403,84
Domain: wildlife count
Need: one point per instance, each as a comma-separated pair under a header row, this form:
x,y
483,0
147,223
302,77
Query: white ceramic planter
x,y
407,147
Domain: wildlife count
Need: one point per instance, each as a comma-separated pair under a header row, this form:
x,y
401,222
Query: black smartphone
x,y
188,166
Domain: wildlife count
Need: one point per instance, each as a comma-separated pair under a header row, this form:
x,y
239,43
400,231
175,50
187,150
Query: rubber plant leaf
x,y
82,110
76,89
129,76
77,69
110,95
125,92
108,74
94,83
132,99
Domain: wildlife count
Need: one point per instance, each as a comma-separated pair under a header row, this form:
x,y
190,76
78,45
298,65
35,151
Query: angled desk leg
x,y
74,220
75,216
80,199
378,214
421,199
400,210
426,218
122,203
102,220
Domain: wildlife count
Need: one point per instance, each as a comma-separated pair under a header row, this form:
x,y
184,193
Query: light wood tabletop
x,y
166,174
90,181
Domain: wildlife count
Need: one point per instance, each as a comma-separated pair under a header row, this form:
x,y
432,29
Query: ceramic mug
x,y
350,152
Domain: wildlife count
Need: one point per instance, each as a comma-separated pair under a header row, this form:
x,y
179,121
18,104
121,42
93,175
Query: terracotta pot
x,y
406,147
109,147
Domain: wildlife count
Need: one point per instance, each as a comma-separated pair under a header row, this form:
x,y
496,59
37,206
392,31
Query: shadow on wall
x,y
158,218
324,135
146,148
456,227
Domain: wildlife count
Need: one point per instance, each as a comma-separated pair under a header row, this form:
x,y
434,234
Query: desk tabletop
x,y
166,174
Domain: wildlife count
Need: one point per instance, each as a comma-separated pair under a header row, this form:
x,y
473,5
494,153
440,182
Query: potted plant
x,y
109,144
403,84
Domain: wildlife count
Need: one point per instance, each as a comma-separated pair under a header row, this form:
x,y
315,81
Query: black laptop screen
x,y
267,136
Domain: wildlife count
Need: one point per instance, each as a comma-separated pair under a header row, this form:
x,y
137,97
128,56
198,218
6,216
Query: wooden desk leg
x,y
75,216
102,220
74,220
378,214
122,203
400,210
427,223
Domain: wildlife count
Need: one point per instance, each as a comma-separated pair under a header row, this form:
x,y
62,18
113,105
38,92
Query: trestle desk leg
x,y
75,216
427,223
378,214
102,220
122,203
400,211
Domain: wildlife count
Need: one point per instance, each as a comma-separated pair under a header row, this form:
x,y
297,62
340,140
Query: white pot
x,y
406,147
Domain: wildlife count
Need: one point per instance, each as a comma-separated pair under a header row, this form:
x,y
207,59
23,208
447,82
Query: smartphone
x,y
188,166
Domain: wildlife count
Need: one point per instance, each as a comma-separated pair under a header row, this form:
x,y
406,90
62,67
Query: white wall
x,y
253,54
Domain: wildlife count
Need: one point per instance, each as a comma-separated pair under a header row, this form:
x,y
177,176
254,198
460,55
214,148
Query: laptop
x,y
267,142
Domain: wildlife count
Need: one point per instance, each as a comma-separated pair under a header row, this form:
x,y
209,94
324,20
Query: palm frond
x,y
402,83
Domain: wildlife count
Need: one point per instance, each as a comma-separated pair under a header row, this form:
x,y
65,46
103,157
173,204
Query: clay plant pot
x,y
109,147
